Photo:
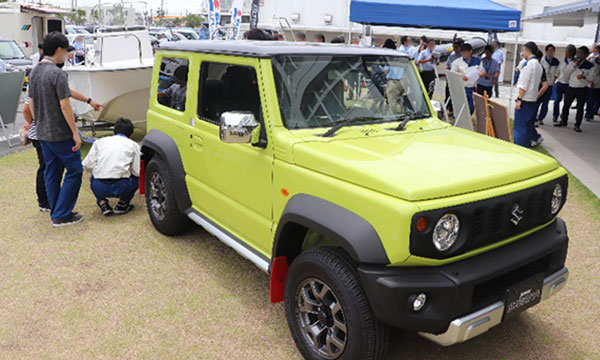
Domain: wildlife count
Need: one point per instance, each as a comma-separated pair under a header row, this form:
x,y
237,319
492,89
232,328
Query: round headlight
x,y
446,231
557,197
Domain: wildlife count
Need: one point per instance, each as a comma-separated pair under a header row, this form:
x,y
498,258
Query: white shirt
x,y
564,70
530,79
585,69
552,70
461,67
595,75
426,55
113,157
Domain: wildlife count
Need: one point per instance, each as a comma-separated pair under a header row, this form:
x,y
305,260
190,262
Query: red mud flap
x,y
142,178
279,271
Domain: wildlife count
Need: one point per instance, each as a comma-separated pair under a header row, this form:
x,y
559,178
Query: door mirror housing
x,y
239,127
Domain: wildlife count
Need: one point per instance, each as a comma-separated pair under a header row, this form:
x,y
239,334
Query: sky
x,y
172,7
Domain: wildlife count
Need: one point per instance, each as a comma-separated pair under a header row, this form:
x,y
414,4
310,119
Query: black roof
x,y
272,48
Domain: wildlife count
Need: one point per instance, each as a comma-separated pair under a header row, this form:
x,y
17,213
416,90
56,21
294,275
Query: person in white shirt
x,y
528,86
594,104
590,105
462,66
406,47
498,55
551,66
562,81
426,62
114,162
579,74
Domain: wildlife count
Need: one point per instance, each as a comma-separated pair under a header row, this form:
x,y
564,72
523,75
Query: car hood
x,y
19,62
423,164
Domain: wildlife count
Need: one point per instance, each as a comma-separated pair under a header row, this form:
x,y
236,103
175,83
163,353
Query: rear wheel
x,y
327,310
160,199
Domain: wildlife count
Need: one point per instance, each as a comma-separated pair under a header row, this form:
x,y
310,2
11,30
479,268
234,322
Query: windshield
x,y
10,50
322,90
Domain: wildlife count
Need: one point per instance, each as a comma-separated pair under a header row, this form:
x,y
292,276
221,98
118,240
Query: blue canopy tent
x,y
471,15
468,15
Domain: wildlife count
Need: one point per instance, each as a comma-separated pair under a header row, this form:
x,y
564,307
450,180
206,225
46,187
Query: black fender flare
x,y
353,233
167,149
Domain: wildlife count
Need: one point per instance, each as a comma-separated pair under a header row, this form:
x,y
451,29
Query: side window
x,y
172,83
227,87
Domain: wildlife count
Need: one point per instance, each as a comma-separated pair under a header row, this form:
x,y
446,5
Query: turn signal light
x,y
421,224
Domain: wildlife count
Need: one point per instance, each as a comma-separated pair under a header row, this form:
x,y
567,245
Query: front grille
x,y
493,290
488,221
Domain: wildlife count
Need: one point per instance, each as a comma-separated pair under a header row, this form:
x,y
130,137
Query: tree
x,y
118,14
193,20
78,16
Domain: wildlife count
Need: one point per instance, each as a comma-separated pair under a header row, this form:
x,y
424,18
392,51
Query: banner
x,y
214,16
236,18
254,14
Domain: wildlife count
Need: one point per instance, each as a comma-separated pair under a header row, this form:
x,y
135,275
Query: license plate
x,y
522,296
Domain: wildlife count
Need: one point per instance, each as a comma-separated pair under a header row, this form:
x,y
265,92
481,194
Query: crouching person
x,y
115,165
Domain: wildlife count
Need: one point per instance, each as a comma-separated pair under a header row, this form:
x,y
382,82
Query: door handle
x,y
197,142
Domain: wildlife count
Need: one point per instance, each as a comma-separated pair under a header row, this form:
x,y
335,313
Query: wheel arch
x,y
158,143
351,232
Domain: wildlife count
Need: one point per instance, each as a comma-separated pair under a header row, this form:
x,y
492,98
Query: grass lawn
x,y
114,288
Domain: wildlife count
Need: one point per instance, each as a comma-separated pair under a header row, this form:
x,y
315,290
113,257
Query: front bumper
x,y
471,325
466,298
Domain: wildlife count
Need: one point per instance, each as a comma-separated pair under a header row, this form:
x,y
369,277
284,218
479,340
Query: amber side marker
x,y
421,224
284,192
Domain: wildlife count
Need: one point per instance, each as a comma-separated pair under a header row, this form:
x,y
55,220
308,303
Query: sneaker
x,y
105,208
577,129
44,208
555,120
559,124
122,208
537,142
73,219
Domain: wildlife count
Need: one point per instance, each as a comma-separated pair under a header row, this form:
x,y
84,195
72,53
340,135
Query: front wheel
x,y
161,201
327,310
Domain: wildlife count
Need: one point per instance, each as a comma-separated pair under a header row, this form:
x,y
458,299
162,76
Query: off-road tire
x,y
366,336
174,221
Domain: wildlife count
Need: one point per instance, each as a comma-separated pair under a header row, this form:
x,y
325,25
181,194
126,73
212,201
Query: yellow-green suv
x,y
326,167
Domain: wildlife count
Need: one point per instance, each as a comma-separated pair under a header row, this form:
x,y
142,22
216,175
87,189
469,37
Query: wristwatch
x,y
89,100
519,99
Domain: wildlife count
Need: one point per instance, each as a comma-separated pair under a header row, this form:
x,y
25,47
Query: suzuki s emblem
x,y
517,214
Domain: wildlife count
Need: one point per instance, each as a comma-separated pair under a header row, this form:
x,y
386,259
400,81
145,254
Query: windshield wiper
x,y
341,123
408,117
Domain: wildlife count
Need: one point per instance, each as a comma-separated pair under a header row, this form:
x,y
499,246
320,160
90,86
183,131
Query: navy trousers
x,y
469,91
560,91
522,130
58,156
124,189
593,103
544,100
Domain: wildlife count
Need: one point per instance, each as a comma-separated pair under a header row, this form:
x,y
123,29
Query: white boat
x,y
116,73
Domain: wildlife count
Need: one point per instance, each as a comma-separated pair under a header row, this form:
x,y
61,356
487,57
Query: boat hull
x,y
123,92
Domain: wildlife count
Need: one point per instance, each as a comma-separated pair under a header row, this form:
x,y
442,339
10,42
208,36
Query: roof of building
x,y
272,48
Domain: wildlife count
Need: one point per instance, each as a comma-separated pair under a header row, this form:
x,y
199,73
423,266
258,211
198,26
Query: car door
x,y
230,184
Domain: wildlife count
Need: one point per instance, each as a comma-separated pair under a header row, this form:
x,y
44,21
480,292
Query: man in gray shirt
x,y
174,97
56,130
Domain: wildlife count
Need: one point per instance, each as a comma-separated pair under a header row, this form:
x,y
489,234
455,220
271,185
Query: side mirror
x,y
237,127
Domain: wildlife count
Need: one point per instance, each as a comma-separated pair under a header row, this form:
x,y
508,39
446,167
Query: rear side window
x,y
227,87
172,83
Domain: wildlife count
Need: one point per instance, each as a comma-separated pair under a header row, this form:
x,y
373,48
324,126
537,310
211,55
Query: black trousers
x,y
40,186
481,89
428,77
579,94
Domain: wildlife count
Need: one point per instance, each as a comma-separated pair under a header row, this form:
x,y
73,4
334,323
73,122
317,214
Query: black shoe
x,y
73,219
559,124
105,208
122,208
44,208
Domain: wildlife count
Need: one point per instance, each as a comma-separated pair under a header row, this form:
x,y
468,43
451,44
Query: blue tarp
x,y
472,15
